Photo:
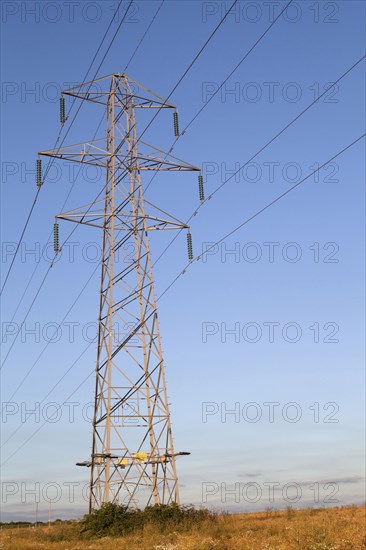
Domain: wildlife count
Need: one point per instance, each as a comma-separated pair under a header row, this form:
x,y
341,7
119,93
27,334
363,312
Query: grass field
x,y
311,529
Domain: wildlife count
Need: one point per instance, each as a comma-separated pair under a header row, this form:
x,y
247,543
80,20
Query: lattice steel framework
x,y
133,457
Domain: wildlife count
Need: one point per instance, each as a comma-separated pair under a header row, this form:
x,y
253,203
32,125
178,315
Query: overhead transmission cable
x,y
245,222
174,88
50,162
277,135
49,267
46,421
39,289
222,84
241,167
269,142
71,307
144,35
266,145
263,209
74,99
189,67
51,233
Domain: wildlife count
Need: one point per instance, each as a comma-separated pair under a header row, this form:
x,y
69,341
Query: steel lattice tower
x,y
133,457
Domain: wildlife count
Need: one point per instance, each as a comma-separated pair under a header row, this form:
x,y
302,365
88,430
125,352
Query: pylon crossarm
x,y
86,153
96,152
102,98
144,102
161,223
93,160
153,94
164,158
142,162
87,96
163,212
80,146
122,224
153,448
89,83
81,221
148,162
85,92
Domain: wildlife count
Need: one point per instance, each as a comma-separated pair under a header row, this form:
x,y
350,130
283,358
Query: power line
x,y
49,392
190,66
274,201
247,162
20,240
39,289
59,135
50,235
186,71
95,75
194,213
223,83
65,316
45,422
73,120
224,183
26,316
174,88
46,274
172,91
245,222
272,138
55,333
74,99
144,35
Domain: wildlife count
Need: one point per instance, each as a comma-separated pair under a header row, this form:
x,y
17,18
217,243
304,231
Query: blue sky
x,y
320,224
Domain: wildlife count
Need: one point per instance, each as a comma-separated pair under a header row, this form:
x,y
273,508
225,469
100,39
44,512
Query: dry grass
x,y
310,529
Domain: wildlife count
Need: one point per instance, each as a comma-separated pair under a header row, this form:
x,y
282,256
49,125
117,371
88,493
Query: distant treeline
x,y
33,523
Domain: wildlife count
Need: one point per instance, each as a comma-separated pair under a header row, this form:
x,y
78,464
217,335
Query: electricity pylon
x,y
133,457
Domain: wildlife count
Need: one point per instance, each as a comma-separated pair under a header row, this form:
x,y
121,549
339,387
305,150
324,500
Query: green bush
x,y
114,519
111,519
